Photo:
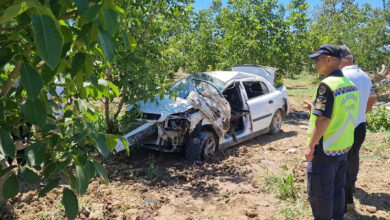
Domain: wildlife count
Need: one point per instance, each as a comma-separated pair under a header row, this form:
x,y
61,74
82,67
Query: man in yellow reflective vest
x,y
330,135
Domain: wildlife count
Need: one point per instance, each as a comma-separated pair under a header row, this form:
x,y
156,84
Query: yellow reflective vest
x,y
339,135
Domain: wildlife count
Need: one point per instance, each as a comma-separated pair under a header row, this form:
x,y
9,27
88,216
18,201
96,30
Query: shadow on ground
x,y
381,201
357,216
153,168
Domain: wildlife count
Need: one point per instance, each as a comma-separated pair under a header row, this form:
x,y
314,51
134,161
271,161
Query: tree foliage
x,y
48,46
144,61
363,29
269,33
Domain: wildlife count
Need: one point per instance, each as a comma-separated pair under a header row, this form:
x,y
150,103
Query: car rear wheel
x,y
202,147
276,123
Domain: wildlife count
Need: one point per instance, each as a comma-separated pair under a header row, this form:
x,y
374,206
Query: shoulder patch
x,y
321,90
321,99
320,106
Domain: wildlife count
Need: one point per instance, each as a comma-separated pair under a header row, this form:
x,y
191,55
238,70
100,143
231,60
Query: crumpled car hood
x,y
165,106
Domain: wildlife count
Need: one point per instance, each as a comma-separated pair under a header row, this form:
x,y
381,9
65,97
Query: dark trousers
x,y
353,161
326,179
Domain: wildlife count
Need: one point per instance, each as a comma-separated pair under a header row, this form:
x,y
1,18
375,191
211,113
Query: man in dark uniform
x,y
330,136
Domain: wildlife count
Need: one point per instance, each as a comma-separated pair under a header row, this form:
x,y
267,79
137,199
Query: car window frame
x,y
254,81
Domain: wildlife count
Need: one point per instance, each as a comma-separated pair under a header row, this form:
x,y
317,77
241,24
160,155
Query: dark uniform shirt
x,y
323,103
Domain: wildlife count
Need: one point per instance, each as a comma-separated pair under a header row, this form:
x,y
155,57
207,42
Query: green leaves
x,y
29,176
106,143
83,176
57,46
6,170
102,172
61,166
100,141
31,81
49,186
106,42
34,111
125,144
111,141
82,5
35,154
78,62
10,187
125,39
92,12
111,21
69,200
114,88
7,146
16,10
48,39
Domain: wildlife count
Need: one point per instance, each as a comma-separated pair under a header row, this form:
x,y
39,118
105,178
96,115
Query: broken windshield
x,y
196,82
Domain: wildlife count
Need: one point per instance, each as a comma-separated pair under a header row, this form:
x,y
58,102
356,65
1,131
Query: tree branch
x,y
107,105
11,80
70,14
121,103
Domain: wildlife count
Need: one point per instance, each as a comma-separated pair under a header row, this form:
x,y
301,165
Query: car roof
x,y
227,76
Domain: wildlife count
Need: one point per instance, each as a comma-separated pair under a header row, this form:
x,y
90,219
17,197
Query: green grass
x,y
287,189
153,171
299,209
377,146
284,186
301,88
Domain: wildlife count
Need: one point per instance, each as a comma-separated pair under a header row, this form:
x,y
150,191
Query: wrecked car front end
x,y
171,122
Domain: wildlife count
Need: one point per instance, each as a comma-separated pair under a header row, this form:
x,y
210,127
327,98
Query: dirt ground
x,y
248,181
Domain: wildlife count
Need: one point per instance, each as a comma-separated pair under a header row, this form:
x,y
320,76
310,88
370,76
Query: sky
x,y
202,4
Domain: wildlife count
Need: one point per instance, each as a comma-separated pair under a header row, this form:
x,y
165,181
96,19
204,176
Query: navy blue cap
x,y
345,52
327,49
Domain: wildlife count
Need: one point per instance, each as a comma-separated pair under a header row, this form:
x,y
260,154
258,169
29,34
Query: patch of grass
x,y
300,209
301,88
86,202
287,189
270,182
125,207
377,144
44,216
284,186
133,175
153,170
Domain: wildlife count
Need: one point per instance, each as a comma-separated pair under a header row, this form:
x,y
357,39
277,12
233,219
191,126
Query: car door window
x,y
264,88
253,89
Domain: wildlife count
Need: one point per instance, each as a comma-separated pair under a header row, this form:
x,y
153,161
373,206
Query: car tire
x,y
276,123
201,147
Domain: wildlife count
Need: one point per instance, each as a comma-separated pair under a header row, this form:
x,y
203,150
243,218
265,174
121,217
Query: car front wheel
x,y
202,147
276,123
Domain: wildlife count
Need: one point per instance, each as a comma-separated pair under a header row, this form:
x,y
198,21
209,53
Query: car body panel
x,y
165,106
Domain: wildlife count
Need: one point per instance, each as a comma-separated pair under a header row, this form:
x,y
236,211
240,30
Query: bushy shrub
x,y
378,120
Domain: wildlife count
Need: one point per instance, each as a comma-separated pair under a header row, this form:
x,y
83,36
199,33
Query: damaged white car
x,y
212,111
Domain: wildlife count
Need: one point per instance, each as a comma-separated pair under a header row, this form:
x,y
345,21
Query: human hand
x,y
306,106
309,154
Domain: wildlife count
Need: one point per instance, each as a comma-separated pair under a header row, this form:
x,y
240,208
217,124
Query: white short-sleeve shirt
x,y
363,83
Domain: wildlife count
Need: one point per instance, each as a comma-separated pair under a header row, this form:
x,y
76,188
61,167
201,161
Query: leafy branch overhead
x,y
49,53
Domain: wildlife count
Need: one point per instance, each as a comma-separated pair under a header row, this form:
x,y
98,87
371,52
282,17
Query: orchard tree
x,y
144,61
245,32
47,46
298,44
363,29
